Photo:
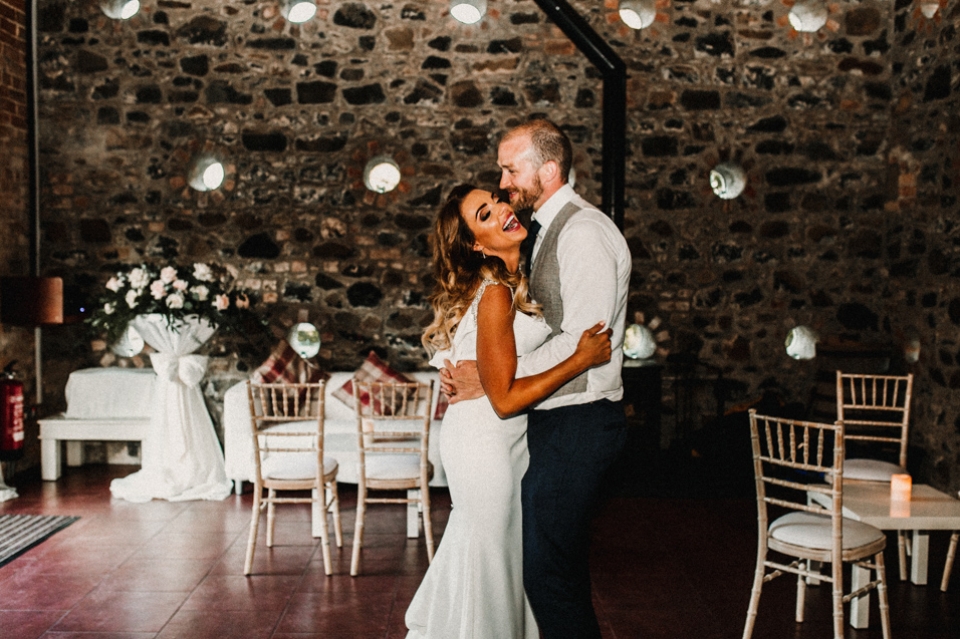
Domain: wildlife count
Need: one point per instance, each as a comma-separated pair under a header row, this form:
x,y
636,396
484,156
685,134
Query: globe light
x,y
808,15
727,180
120,9
638,14
207,173
381,174
638,342
298,11
801,343
468,11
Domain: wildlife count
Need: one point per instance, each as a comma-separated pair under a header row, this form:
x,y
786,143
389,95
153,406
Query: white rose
x,y
109,308
113,284
201,292
175,300
139,278
202,272
638,342
131,298
168,274
180,285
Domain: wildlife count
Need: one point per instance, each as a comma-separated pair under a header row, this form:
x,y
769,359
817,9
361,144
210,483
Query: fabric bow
x,y
186,369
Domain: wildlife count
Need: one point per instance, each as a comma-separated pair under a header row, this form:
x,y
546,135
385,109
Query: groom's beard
x,y
526,198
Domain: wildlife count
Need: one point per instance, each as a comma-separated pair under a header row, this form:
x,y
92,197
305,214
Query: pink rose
x,y
243,301
221,302
168,274
157,289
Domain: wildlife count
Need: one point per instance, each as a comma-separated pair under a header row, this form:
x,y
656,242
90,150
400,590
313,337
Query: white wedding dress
x,y
474,587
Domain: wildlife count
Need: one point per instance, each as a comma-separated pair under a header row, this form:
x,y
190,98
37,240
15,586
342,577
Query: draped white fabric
x,y
182,458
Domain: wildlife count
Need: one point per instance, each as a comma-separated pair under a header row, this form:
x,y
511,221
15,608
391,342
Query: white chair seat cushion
x,y
815,531
870,469
390,467
294,466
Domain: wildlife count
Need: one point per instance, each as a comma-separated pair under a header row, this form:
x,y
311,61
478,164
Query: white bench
x,y
103,405
60,428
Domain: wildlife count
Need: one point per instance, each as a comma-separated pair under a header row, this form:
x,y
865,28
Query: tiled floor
x,y
663,568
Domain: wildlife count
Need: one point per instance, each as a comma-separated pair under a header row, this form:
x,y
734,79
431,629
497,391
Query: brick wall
x,y
15,343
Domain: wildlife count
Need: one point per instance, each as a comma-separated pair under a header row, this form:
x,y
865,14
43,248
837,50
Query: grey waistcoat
x,y
545,287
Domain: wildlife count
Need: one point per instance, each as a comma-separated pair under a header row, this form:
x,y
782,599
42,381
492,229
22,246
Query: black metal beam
x,y
614,123
33,137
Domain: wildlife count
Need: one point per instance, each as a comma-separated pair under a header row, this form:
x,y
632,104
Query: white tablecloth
x,y
182,459
110,393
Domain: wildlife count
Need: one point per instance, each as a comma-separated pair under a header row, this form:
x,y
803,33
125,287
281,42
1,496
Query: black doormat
x,y
20,533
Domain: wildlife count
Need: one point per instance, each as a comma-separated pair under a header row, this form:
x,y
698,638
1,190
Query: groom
x,y
580,274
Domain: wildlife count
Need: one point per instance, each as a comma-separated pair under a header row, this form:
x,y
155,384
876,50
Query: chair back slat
x,y
876,409
273,407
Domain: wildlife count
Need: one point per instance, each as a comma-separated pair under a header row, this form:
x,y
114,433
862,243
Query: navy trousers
x,y
571,448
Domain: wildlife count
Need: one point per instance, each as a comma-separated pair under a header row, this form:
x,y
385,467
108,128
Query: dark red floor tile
x,y
99,635
157,575
221,624
326,613
107,611
27,624
234,592
46,592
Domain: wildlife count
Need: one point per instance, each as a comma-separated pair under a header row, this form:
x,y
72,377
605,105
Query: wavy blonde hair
x,y
459,270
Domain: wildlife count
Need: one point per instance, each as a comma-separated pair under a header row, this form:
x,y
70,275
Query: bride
x,y
474,587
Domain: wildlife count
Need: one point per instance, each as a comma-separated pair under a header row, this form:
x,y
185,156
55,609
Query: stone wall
x,y
846,223
16,344
923,244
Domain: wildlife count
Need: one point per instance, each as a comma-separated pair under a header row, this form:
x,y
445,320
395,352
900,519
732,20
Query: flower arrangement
x,y
172,291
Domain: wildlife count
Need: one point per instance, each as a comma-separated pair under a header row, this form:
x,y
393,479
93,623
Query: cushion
x,y
373,370
870,469
393,467
294,466
815,531
283,365
110,393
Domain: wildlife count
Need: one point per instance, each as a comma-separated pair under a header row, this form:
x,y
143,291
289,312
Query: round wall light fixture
x,y
727,180
639,342
468,11
929,9
808,15
801,343
120,9
638,14
206,174
382,174
298,10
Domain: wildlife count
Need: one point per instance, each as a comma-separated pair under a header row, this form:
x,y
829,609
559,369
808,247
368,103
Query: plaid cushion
x,y
373,370
283,366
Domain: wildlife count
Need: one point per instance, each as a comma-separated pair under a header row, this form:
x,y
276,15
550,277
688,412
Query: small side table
x,y
642,400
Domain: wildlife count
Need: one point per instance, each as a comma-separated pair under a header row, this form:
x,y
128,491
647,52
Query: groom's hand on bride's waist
x,y
461,381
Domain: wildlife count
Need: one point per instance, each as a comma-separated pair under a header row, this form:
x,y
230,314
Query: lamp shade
x,y
31,301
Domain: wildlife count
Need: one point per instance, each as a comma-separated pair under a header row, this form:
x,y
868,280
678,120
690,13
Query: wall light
x,y
638,14
808,15
206,174
381,174
468,11
801,343
929,9
727,180
298,10
120,9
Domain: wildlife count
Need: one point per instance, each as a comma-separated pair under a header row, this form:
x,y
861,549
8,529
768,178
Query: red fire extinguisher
x,y
11,415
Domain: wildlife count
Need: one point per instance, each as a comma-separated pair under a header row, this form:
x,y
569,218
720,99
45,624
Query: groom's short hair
x,y
548,143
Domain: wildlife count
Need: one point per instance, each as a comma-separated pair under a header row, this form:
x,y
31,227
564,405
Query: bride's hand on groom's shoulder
x,y
460,381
